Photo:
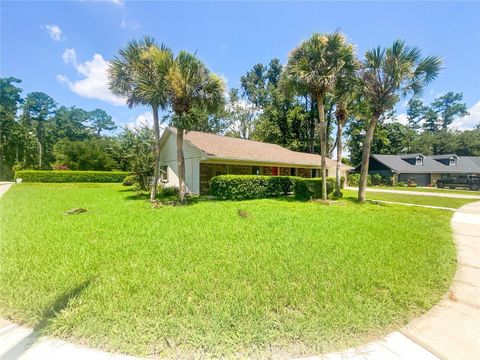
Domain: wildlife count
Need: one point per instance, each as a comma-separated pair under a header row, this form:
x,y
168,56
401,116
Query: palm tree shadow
x,y
48,315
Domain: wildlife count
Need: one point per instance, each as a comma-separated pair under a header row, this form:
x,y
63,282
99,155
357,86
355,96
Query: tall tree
x,y
449,107
431,122
138,75
69,123
313,67
385,74
239,115
344,98
191,87
100,121
10,100
38,108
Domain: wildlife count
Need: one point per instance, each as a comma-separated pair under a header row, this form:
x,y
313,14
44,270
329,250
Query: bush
x,y
334,179
306,189
168,191
400,184
53,176
354,179
130,180
376,179
239,187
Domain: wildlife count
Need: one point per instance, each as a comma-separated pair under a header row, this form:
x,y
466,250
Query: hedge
x,y
67,176
239,187
306,189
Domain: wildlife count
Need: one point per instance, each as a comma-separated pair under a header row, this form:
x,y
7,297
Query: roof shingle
x,y
229,148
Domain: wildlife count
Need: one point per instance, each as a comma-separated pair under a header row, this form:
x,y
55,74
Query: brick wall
x,y
208,171
304,173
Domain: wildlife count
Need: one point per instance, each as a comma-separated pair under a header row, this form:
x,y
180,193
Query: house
x,y
424,170
208,155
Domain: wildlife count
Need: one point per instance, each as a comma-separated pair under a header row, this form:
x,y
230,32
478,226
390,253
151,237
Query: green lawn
x,y
200,280
428,190
411,199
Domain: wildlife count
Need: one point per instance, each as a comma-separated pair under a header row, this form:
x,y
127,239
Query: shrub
x,y
53,176
306,189
334,179
239,187
168,191
130,180
376,179
354,179
400,184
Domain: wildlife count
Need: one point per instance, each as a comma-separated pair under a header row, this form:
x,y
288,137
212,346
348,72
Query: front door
x,y
274,171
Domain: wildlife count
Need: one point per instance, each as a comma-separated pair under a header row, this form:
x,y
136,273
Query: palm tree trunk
x,y
367,145
338,184
181,165
323,145
156,166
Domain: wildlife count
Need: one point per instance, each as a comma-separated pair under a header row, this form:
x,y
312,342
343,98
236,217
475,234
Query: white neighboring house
x,y
208,155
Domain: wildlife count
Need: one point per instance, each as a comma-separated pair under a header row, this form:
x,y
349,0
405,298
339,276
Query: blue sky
x,y
63,48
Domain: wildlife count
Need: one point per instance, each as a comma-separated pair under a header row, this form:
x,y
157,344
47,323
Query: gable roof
x,y
465,164
229,148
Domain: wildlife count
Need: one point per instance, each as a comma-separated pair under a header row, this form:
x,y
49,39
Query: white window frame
x,y
164,173
452,161
417,162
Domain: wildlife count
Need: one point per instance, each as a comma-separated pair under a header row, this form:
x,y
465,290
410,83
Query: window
x,y
419,160
453,161
164,173
255,170
293,172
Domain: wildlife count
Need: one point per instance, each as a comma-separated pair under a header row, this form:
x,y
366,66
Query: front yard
x,y
453,203
216,278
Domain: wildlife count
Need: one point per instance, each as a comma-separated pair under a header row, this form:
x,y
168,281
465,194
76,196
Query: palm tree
x,y
313,67
386,74
344,98
138,75
192,88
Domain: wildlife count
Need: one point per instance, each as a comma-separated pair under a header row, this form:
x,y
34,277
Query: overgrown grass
x,y
454,203
428,190
233,279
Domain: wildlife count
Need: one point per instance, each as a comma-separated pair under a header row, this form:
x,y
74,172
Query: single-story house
x,y
208,155
424,170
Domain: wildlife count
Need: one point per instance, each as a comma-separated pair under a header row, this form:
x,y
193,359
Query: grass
x,y
216,279
427,190
454,203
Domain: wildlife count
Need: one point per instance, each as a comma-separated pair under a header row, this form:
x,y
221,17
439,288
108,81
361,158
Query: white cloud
x,y
402,119
70,56
55,32
142,120
468,122
94,78
115,2
129,24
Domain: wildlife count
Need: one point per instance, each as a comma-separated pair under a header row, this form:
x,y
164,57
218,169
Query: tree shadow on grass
x,y
137,196
49,314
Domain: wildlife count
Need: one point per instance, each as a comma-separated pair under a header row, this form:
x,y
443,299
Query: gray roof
x,y
465,164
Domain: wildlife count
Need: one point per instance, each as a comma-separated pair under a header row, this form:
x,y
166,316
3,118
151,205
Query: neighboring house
x,y
424,170
208,155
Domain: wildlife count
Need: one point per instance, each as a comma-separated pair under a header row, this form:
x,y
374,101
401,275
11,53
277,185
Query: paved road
x,y
421,193
4,186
